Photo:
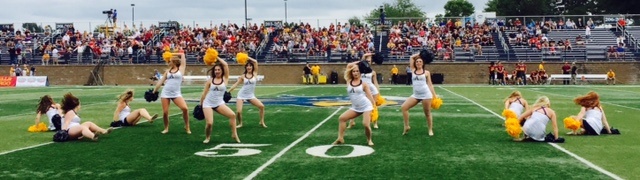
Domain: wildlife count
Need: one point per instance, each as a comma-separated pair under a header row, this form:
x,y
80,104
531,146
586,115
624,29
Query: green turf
x,y
469,142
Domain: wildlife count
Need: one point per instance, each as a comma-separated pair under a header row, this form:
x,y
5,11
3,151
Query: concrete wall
x,y
454,73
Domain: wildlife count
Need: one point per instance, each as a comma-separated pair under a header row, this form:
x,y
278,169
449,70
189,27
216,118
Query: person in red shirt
x,y
501,73
533,77
566,69
492,73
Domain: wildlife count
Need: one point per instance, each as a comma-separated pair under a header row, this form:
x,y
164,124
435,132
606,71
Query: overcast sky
x,y
88,13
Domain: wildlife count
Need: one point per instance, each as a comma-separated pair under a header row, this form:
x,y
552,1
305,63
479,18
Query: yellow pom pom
x,y
513,127
41,127
211,56
374,114
32,128
507,113
167,56
571,123
242,58
380,100
436,103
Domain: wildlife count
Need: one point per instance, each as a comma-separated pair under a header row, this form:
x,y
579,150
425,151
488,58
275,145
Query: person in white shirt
x,y
361,103
125,115
248,80
592,116
423,92
55,55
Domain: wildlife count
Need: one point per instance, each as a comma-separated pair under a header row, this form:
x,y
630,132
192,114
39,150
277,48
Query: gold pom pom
x,y
32,128
374,114
211,56
242,58
41,127
513,127
380,100
508,113
167,56
46,57
436,103
571,123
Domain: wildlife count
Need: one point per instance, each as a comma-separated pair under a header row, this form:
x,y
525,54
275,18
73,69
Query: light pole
x,y
133,15
285,11
246,25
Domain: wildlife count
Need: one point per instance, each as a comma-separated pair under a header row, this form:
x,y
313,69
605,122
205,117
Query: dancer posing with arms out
x,y
212,99
361,103
422,92
172,80
248,80
70,108
125,116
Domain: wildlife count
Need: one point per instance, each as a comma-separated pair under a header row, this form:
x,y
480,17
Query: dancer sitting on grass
x,y
70,108
125,116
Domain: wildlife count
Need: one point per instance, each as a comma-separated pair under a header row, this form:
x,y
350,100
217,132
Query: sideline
x,y
602,102
586,162
274,158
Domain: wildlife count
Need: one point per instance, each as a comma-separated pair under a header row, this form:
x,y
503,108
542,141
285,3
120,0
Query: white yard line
x,y
586,162
562,95
274,158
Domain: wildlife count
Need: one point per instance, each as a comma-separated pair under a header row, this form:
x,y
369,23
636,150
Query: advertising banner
x,y
7,81
31,81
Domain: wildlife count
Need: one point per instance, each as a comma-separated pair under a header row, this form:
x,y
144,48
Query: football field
x,y
469,143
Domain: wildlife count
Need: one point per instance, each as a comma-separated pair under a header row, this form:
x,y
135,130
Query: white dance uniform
x,y
368,78
50,113
248,88
594,118
421,87
535,127
215,95
124,113
359,101
517,107
172,85
74,122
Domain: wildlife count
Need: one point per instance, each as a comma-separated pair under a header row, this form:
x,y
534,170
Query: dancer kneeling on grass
x,y
536,121
514,105
212,99
247,92
123,116
422,92
70,107
172,80
51,109
591,120
361,103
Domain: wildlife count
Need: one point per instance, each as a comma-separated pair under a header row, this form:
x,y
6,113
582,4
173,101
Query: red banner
x,y
8,81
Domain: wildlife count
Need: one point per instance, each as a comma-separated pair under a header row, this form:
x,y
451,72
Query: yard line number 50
x,y
248,150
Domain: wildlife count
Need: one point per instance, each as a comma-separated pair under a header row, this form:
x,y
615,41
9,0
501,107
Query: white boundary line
x,y
586,162
47,143
274,158
574,97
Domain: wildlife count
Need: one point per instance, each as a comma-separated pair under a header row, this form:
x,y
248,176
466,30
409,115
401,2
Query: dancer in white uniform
x,y
516,103
422,92
592,115
172,80
536,120
372,80
361,103
248,80
124,114
70,107
50,108
212,99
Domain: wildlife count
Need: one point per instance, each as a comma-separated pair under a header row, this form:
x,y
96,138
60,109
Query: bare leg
x,y
408,104
426,107
256,102
366,122
346,116
179,101
227,112
375,124
165,114
239,105
208,116
135,116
